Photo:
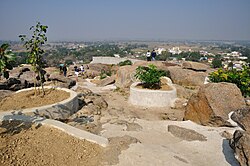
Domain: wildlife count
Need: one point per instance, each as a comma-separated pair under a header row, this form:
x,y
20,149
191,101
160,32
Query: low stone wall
x,y
151,98
111,60
60,110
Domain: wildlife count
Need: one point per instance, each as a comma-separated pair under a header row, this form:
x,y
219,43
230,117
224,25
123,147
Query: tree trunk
x,y
41,81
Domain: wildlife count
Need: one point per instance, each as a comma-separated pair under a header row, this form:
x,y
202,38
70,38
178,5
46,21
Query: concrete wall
x,y
60,110
151,98
111,60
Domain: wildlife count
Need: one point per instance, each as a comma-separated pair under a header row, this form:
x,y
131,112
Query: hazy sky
x,y
83,20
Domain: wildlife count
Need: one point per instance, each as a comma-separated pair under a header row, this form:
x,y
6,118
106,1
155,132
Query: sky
x,y
87,20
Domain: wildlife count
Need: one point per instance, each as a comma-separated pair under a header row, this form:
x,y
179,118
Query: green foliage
x,y
126,62
163,56
194,56
239,77
34,46
149,76
68,62
6,59
105,73
216,63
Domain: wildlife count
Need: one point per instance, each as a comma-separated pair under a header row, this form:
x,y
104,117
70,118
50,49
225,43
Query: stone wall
x,y
111,60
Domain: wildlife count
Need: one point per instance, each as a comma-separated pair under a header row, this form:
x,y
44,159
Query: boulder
x,y
123,76
242,118
81,91
107,81
183,92
59,112
99,67
91,74
62,81
212,104
240,143
14,84
3,86
186,134
186,77
12,81
196,66
28,79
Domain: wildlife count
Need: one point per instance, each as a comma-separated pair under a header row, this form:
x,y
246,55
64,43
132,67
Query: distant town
x,y
224,54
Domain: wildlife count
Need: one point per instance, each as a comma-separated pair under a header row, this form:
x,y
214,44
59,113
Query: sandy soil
x,y
27,99
27,144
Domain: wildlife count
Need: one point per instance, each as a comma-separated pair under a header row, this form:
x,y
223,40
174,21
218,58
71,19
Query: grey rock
x,y
106,81
240,143
242,118
186,134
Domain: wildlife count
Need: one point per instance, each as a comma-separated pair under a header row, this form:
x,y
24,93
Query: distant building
x,y
175,50
117,55
160,50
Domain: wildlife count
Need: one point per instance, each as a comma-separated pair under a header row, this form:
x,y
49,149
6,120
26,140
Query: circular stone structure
x,y
59,110
152,98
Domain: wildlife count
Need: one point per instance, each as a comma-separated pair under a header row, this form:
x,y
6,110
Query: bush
x,y
149,76
239,77
216,63
105,73
126,62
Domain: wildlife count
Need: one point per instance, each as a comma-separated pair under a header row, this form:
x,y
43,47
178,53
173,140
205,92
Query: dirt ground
x,y
27,99
26,144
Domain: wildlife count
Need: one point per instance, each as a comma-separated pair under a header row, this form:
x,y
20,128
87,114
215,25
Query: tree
x,y
163,56
34,46
217,63
6,59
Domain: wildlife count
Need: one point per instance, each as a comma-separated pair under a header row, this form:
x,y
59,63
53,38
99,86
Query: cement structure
x,y
152,98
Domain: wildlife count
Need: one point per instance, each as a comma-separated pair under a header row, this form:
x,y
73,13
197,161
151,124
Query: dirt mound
x,y
27,99
27,144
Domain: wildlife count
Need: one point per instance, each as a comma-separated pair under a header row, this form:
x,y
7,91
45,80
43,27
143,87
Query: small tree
x,y
149,76
6,59
34,46
216,63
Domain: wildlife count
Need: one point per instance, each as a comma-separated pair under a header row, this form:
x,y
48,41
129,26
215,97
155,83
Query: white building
x,y
175,50
160,50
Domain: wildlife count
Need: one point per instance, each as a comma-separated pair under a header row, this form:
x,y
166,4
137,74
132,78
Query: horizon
x,y
140,20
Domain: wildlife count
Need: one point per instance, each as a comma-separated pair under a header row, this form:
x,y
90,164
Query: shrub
x,y
105,73
216,63
126,62
149,76
6,59
239,77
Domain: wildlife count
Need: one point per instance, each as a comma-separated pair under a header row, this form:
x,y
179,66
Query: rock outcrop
x,y
186,77
62,81
242,118
195,66
240,142
124,76
212,104
106,81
